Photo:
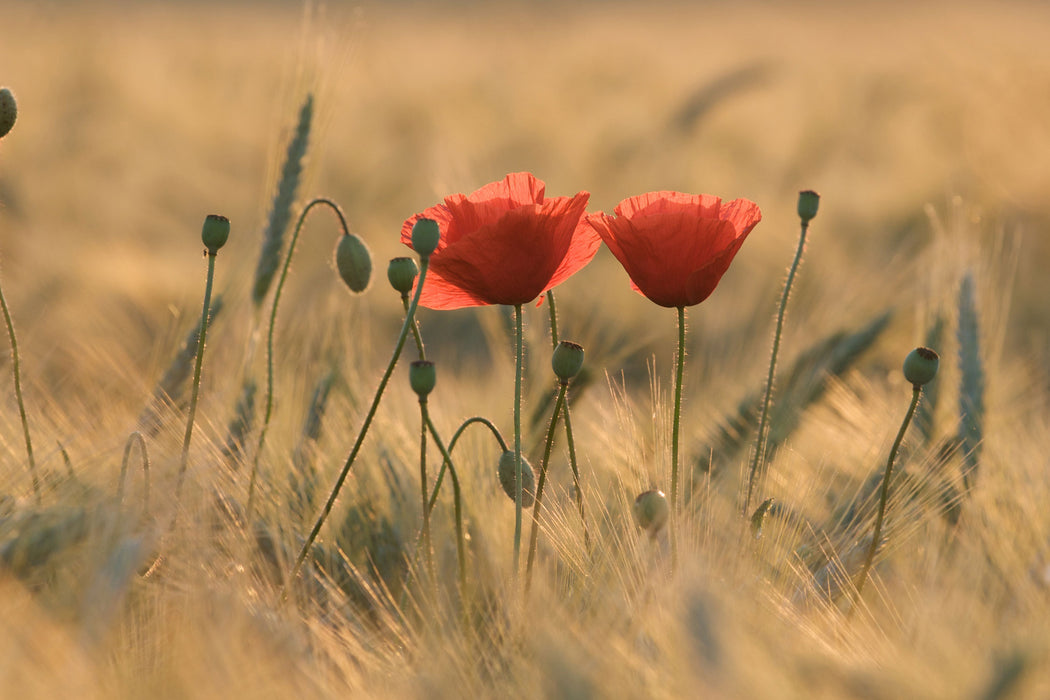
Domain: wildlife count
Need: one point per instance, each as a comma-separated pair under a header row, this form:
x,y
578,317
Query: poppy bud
x,y
651,511
425,236
354,262
808,201
508,478
215,232
422,375
567,360
8,111
920,366
402,274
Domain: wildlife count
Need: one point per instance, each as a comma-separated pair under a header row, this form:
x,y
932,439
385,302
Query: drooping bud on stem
x,y
651,511
8,111
508,480
354,262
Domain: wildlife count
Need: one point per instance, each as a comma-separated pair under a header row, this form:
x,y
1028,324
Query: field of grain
x,y
924,126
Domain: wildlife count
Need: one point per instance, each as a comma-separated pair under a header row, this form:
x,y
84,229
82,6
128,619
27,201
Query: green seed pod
x,y
422,375
808,201
508,481
920,366
8,111
567,360
425,237
402,274
215,232
651,511
354,262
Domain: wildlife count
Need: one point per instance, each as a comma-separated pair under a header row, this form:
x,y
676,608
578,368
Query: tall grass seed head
x,y
354,262
651,511
215,232
567,360
422,375
425,237
808,202
920,366
507,478
402,272
8,111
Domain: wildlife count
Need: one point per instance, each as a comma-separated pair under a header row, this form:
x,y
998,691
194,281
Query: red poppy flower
x,y
504,244
674,246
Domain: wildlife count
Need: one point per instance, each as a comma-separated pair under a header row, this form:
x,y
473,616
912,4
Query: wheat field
x,y
924,126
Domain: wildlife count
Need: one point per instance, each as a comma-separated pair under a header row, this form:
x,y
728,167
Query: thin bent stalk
x,y
18,397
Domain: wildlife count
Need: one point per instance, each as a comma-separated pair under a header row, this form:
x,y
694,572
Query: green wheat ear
x,y
172,385
240,425
801,386
304,477
971,384
281,209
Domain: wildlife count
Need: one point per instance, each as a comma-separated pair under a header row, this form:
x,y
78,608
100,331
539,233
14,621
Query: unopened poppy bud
x,y
422,375
808,201
567,360
215,232
8,111
508,478
920,366
354,262
425,236
402,274
651,511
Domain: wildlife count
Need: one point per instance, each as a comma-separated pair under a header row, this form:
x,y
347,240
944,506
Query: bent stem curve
x,y
268,412
461,551
452,445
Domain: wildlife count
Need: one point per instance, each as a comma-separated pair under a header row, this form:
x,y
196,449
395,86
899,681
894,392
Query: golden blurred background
x,y
137,119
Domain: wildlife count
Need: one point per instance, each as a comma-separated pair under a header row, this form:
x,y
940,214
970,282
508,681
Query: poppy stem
x,y
757,469
268,412
884,494
452,445
538,502
428,552
553,310
679,375
195,393
461,550
424,264
576,478
519,361
415,330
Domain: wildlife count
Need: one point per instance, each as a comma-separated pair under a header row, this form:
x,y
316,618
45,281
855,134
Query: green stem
x,y
679,375
452,445
553,310
519,361
756,460
424,264
415,330
18,397
428,552
195,393
538,501
461,550
576,477
269,342
885,493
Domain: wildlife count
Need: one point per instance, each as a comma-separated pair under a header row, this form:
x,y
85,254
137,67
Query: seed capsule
x,y
425,237
808,202
651,511
8,111
422,375
567,360
215,232
920,366
401,272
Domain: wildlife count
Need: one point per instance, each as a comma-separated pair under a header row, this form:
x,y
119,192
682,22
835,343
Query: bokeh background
x,y
137,119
